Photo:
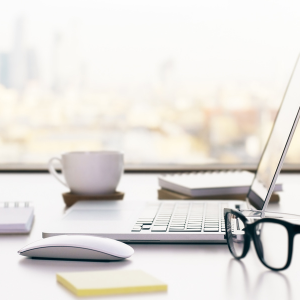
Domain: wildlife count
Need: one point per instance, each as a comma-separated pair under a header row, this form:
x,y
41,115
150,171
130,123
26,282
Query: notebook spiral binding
x,y
15,204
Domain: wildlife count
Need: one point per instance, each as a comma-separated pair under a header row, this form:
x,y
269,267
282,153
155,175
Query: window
x,y
165,81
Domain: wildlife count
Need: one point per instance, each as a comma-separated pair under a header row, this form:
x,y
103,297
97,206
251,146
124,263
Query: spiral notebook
x,y
16,217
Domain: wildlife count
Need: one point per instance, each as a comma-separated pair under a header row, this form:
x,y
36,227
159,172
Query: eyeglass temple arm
x,y
297,228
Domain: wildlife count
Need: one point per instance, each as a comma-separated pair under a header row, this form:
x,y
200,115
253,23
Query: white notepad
x,y
16,217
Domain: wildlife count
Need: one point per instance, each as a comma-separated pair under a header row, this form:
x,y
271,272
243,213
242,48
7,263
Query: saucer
x,y
70,198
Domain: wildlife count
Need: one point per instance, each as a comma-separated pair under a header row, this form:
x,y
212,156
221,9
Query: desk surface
x,y
191,271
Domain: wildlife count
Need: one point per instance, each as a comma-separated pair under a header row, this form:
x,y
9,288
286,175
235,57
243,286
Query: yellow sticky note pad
x,y
110,282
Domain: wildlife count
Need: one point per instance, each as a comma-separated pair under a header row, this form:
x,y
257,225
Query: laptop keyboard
x,y
182,217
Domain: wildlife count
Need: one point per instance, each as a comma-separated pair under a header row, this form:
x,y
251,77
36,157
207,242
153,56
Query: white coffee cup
x,y
90,173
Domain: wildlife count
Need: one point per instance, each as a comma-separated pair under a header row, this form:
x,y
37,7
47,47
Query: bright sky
x,y
127,42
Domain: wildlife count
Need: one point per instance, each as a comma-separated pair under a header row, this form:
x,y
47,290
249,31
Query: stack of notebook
x,y
208,185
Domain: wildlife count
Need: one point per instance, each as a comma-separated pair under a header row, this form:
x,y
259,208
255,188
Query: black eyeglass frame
x,y
292,230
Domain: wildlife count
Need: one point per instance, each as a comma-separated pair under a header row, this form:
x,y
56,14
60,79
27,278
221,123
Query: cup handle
x,y
53,171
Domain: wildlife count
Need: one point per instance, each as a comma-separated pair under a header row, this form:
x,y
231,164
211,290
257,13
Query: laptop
x,y
187,221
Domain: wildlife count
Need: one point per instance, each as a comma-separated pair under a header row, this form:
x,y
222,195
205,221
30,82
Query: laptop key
x,y
211,229
146,227
177,222
136,229
174,229
159,228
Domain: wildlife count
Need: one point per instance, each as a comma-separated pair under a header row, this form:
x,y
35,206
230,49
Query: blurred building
x,y
20,65
4,69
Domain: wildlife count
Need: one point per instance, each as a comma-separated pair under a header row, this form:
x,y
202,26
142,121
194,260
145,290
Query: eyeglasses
x,y
273,238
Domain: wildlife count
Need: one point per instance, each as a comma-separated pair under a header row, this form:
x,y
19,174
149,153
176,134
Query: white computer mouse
x,y
81,247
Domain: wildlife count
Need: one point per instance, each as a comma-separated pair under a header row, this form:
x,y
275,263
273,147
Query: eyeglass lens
x,y
271,241
235,234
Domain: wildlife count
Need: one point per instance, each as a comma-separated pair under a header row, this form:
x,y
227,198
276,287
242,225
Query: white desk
x,y
191,271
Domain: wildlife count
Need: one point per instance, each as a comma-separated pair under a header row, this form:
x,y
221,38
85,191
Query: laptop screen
x,y
275,150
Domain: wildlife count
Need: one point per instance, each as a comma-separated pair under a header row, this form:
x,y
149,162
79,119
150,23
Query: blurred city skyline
x,y
173,82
